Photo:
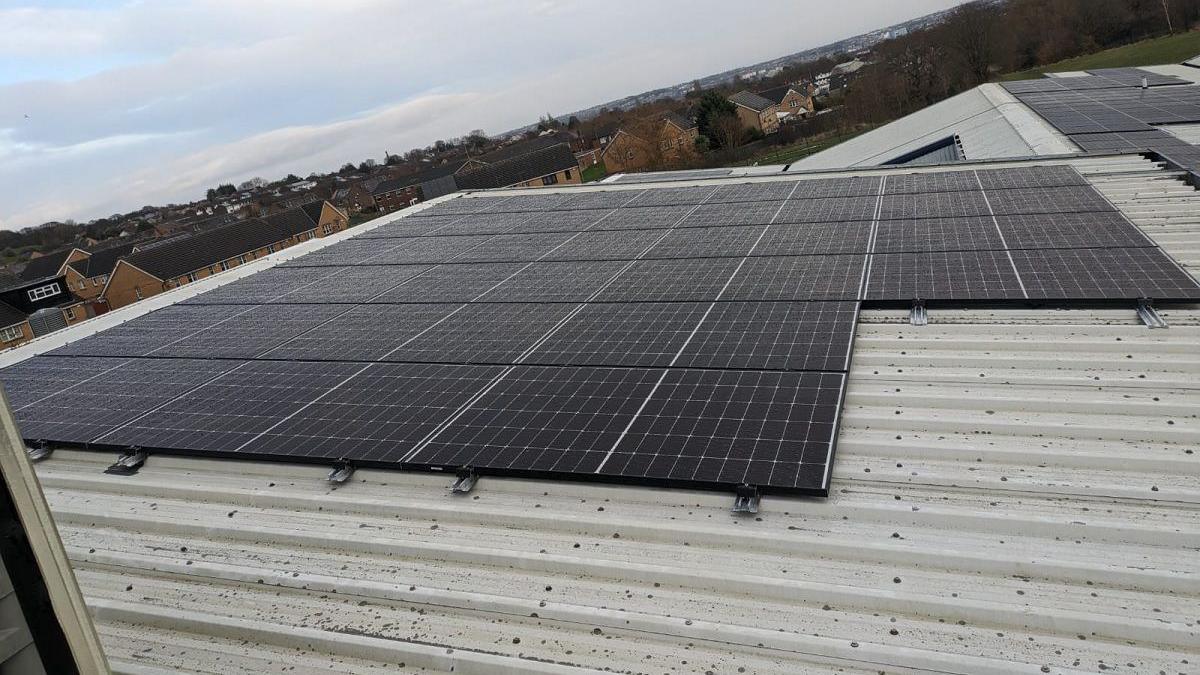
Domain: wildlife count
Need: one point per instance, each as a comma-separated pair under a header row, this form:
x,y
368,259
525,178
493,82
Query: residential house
x,y
86,277
756,112
793,101
678,135
554,165
32,307
623,153
150,270
52,264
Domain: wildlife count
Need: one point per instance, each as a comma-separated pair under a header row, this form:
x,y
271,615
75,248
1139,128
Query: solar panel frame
x,y
798,278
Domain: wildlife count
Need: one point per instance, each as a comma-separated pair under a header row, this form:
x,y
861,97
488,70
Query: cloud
x,y
113,105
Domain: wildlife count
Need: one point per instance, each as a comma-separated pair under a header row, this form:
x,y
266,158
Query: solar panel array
x,y
1109,111
694,336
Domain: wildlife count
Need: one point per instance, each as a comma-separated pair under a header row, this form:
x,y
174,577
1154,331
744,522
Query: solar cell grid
x,y
481,223
252,333
132,387
933,205
937,234
34,379
1071,230
231,409
672,196
264,286
752,192
515,247
543,419
365,333
483,333
774,336
409,226
699,242
1078,199
642,218
545,201
815,238
606,245
573,281
377,416
845,186
770,429
828,277
561,221
827,210
744,213
353,284
1099,273
1029,177
954,275
452,283
642,334
941,181
605,199
152,332
671,280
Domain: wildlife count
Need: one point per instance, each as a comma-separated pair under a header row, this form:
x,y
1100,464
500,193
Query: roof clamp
x,y
917,315
746,500
129,463
465,481
1149,315
341,472
38,450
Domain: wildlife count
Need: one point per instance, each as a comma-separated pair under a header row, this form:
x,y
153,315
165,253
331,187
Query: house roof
x,y
101,261
393,184
186,254
983,529
680,121
777,94
46,265
520,168
10,315
751,100
525,146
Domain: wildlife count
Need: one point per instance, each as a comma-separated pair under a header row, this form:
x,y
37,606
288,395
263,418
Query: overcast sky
x,y
107,106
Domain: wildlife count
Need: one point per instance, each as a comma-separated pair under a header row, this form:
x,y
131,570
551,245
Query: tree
x,y
366,166
292,178
253,183
346,170
212,194
225,189
476,140
718,121
391,160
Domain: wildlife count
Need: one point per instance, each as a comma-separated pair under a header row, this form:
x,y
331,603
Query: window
x,y
69,313
414,200
212,269
82,284
327,228
794,103
191,277
550,180
270,249
137,292
241,260
12,333
567,174
42,292
224,265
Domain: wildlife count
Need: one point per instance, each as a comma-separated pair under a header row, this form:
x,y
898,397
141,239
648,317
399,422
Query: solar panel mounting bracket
x,y
917,314
38,450
465,481
746,499
341,472
1149,315
129,463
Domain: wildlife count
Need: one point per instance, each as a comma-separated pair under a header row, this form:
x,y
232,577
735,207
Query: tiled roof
x,y
521,168
188,254
10,315
393,184
525,147
102,261
777,94
679,121
751,100
46,265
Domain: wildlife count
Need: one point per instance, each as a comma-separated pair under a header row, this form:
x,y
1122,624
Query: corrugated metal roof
x,y
990,122
1015,490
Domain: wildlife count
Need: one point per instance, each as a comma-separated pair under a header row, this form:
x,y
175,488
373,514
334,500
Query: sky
x,y
107,106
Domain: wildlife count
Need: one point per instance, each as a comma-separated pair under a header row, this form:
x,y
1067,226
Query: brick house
x,y
623,152
793,100
86,276
32,307
553,165
756,112
678,135
161,266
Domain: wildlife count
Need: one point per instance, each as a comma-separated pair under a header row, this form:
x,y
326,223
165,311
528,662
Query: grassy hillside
x,y
1170,49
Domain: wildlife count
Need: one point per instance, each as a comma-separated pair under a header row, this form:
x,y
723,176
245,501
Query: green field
x,y
1169,49
593,173
791,153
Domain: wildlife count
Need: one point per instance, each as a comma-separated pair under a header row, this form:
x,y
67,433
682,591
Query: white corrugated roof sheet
x,y
1014,491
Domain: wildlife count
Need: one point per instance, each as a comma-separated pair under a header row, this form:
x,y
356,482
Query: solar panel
x,y
744,213
561,221
937,234
515,247
606,245
410,227
816,238
670,280
1105,229
599,200
483,333
365,333
933,205
830,209
844,186
771,429
574,281
753,192
621,334
941,181
452,283
1020,178
642,218
1103,273
954,275
774,336
825,277
1048,200
672,196
264,286
151,332
353,284
697,242
253,332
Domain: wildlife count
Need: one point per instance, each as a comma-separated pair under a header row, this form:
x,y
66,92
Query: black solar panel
x,y
765,428
697,336
955,275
